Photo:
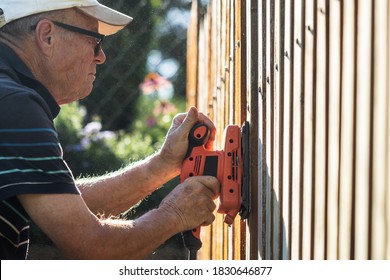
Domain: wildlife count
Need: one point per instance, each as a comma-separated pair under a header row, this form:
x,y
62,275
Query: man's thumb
x,y
191,119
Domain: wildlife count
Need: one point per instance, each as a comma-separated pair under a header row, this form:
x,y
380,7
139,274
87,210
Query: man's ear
x,y
45,36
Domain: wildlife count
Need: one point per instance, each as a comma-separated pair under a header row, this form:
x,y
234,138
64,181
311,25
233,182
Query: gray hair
x,y
22,28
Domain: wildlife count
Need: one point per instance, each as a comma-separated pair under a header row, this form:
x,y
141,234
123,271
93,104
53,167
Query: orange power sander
x,y
231,167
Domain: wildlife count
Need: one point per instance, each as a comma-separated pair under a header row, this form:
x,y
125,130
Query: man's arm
x,y
79,234
116,192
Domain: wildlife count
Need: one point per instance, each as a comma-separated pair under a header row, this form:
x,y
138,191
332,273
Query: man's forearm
x,y
116,192
134,239
81,235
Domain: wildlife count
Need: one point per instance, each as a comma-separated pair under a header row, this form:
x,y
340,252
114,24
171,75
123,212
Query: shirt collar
x,y
15,64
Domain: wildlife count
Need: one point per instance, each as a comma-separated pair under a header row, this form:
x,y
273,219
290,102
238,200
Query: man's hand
x,y
176,142
193,201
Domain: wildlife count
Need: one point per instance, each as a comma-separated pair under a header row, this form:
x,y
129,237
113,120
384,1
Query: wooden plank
x,y
308,135
202,66
269,139
220,231
333,174
212,59
224,111
235,113
287,139
387,178
225,33
363,130
208,253
347,130
229,101
240,92
233,110
380,184
239,59
207,92
297,147
263,174
252,69
204,105
192,55
218,104
321,124
205,98
277,198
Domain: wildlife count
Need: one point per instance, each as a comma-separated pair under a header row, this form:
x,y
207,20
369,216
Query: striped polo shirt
x,y
31,160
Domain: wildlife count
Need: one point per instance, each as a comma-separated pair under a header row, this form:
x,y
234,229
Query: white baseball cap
x,y
110,21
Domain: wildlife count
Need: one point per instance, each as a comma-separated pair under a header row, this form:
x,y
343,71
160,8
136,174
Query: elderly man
x,y
49,51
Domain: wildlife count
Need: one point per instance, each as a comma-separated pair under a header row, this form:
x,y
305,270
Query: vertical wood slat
x,y
239,60
262,85
252,85
224,97
218,50
263,170
387,136
333,174
278,130
347,130
320,175
218,226
192,55
287,141
202,103
234,60
381,165
296,221
206,76
268,139
240,104
308,128
212,59
363,135
202,61
321,131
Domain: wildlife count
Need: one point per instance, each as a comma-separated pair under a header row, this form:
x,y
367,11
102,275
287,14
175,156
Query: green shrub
x,y
89,150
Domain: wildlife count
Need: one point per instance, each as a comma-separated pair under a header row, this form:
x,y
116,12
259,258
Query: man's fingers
x,y
191,119
193,201
210,182
211,206
209,220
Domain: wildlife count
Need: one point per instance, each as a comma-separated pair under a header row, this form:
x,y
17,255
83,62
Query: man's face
x,y
75,60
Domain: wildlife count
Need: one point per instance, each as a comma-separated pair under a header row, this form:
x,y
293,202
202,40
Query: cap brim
x,y
110,21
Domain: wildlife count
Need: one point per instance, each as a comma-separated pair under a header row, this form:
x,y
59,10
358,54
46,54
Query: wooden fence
x,y
312,78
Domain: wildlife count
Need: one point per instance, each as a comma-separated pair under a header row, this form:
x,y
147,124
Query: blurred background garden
x,y
137,92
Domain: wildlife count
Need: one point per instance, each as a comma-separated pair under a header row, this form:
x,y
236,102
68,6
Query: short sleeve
x,y
31,158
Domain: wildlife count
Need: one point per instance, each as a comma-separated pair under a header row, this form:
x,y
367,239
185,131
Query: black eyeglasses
x,y
98,37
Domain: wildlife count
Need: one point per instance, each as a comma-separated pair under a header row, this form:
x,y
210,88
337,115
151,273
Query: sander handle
x,y
196,138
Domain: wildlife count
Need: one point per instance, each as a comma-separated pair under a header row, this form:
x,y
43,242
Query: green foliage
x,y
116,92
70,123
89,150
157,25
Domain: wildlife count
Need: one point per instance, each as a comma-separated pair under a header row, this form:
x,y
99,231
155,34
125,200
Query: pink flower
x,y
164,108
153,83
151,121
